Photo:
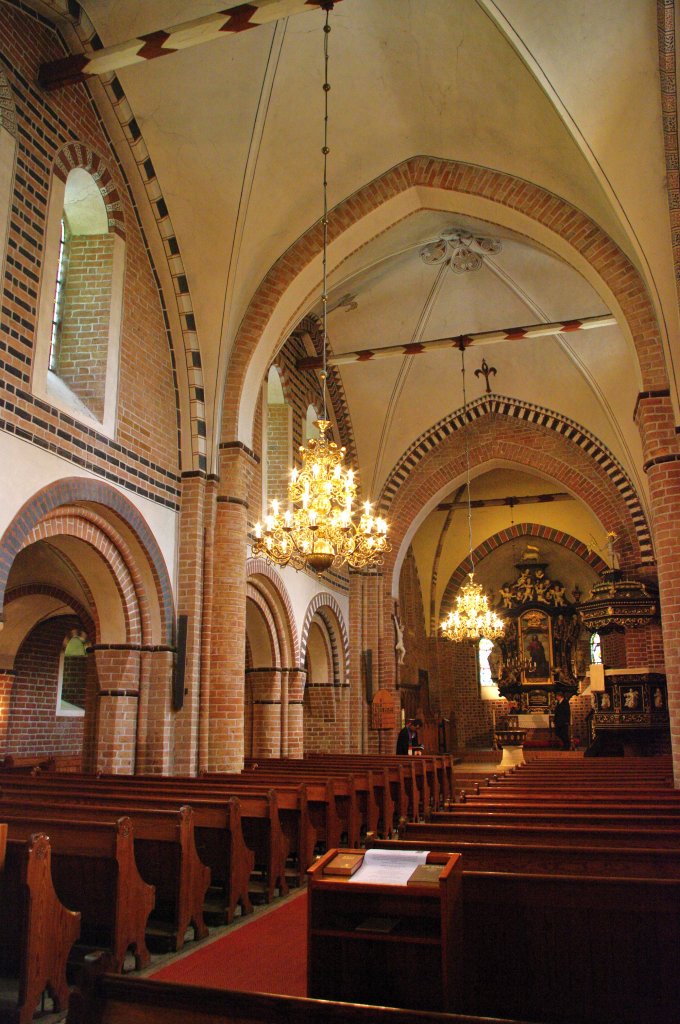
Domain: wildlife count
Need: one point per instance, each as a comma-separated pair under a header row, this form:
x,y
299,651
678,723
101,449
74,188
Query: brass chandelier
x,y
319,528
472,618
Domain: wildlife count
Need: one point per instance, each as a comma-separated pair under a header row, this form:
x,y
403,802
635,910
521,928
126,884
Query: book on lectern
x,y
344,864
426,874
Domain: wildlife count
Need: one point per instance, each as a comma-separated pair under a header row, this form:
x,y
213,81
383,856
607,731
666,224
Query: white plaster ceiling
x,y
564,95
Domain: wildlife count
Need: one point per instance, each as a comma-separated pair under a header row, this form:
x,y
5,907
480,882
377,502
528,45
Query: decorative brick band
x,y
77,155
497,405
644,395
266,702
146,648
276,594
227,499
226,445
517,532
660,460
118,693
334,621
8,114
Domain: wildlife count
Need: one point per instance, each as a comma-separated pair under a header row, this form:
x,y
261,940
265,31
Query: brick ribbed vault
x,y
515,532
495,437
548,211
525,412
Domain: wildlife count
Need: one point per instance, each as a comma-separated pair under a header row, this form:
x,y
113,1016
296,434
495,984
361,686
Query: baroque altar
x,y
539,653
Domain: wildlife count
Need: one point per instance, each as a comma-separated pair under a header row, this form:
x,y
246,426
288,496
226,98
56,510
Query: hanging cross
x,y
487,371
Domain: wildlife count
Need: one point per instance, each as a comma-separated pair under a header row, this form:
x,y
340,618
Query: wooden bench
x,y
561,834
165,853
36,930
110,999
438,769
536,858
610,815
94,872
217,826
527,934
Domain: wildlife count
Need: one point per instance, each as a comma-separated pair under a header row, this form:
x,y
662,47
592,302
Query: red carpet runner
x,y
267,954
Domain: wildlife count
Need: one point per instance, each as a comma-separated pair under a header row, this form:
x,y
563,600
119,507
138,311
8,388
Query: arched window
x,y
595,649
71,685
485,648
80,303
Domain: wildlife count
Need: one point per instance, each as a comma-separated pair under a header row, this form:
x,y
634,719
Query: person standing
x,y
562,720
407,740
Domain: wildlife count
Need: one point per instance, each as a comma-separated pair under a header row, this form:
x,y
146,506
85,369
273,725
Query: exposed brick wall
x,y
146,454
34,727
84,335
279,453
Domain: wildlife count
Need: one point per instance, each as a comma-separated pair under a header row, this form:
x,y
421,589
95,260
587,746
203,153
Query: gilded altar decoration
x,y
540,650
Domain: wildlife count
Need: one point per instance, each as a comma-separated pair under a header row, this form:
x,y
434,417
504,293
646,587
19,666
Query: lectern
x,y
385,944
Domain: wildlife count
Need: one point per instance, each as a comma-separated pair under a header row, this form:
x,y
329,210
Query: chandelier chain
x,y
325,151
467,461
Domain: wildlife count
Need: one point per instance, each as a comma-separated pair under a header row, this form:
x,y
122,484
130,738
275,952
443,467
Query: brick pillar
x,y
6,684
190,603
295,723
118,672
223,725
265,686
155,733
654,417
368,631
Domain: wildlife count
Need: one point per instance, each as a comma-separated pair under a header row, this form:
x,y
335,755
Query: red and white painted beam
x,y
232,19
461,341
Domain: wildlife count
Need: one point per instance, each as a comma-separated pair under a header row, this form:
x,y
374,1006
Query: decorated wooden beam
x,y
461,341
232,19
509,502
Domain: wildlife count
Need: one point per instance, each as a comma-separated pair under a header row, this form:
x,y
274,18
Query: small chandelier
x,y
319,528
472,618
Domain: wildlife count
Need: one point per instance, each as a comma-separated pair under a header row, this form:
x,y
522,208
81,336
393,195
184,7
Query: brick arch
x,y
534,446
265,610
76,154
260,567
73,490
526,413
316,606
548,211
89,619
515,532
68,524
8,112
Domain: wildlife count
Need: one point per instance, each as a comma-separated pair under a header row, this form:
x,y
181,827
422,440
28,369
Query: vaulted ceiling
x,y
563,95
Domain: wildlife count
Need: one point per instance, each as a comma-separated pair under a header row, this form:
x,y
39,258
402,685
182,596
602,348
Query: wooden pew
x,y
438,769
611,815
568,804
36,930
527,934
110,999
292,801
165,853
536,858
547,834
94,871
217,824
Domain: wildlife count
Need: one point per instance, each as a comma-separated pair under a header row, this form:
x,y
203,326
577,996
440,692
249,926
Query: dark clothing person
x,y
407,738
562,720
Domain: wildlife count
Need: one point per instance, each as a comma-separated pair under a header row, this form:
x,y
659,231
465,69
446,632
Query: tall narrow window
x,y
485,648
595,649
81,300
57,318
